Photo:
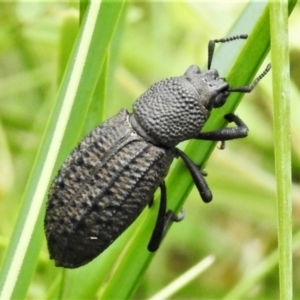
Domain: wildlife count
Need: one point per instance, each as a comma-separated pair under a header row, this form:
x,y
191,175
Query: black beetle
x,y
111,176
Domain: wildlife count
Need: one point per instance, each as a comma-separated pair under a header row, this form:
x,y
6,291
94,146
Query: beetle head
x,y
212,89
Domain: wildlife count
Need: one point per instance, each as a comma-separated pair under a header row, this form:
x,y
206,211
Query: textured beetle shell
x,y
175,103
100,190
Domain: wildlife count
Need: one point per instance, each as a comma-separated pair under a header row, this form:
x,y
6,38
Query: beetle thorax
x,y
169,112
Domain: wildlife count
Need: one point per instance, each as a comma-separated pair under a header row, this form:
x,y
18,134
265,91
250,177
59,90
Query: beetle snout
x,y
218,85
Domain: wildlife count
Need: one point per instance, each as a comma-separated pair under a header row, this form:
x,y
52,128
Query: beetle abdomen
x,y
100,190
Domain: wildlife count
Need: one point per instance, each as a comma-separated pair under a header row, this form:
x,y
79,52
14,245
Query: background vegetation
x,y
154,40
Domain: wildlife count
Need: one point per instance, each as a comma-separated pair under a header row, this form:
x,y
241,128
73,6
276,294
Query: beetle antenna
x,y
211,45
248,89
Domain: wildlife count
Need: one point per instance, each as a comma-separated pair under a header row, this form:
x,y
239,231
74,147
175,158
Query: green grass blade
x,y
184,279
68,33
68,116
282,141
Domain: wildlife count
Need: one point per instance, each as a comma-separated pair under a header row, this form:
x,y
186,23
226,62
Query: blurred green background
x,y
157,40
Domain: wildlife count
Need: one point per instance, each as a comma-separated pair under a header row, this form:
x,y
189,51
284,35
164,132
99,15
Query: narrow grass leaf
x,y
76,91
282,141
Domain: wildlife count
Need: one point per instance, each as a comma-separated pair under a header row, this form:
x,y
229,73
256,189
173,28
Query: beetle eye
x,y
220,99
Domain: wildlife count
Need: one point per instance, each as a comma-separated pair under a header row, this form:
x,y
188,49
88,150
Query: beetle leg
x,y
157,233
222,146
225,134
203,172
151,202
197,175
163,220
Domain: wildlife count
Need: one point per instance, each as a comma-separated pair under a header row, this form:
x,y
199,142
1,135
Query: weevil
x,y
113,173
